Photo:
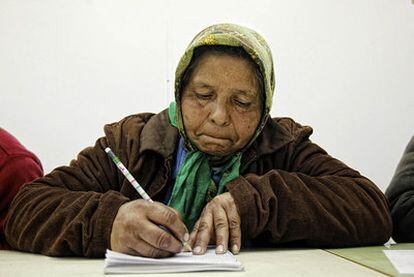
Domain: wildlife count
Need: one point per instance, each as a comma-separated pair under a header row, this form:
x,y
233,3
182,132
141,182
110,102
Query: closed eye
x,y
203,96
242,104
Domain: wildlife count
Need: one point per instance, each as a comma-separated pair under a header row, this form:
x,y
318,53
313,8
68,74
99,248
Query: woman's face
x,y
221,104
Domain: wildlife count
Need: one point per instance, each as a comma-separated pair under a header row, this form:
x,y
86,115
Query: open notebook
x,y
116,262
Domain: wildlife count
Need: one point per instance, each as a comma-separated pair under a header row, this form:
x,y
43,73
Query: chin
x,y
215,148
215,151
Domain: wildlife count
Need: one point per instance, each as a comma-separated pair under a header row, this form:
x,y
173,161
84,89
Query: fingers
x,y
174,211
186,237
193,235
136,228
138,247
220,224
234,227
142,248
159,238
221,228
204,231
170,219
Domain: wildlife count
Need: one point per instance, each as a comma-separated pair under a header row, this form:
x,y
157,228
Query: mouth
x,y
214,144
216,139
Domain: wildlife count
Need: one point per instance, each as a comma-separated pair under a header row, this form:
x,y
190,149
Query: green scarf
x,y
194,185
194,180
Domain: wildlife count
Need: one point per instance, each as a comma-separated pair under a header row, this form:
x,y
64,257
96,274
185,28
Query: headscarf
x,y
194,179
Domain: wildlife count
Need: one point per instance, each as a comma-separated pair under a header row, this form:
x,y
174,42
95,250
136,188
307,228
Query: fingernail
x,y
220,249
235,249
197,250
186,237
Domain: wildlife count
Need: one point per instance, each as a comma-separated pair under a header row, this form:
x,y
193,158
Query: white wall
x,y
344,67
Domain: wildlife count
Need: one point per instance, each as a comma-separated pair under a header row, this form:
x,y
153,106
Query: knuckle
x,y
163,241
234,224
177,214
208,208
228,204
196,227
203,226
152,252
170,217
139,204
221,224
216,200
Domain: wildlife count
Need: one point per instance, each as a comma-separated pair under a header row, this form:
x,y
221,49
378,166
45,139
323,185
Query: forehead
x,y
225,70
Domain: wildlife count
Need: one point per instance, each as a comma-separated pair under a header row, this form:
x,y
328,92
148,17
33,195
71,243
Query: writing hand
x,y
136,230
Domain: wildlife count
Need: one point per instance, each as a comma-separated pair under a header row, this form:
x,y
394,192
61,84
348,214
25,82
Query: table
x,y
257,262
373,257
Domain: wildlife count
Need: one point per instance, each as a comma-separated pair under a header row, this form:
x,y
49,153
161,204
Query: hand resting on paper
x,y
136,230
218,224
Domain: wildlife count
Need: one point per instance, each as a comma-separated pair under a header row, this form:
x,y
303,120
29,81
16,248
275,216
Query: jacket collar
x,y
160,136
272,137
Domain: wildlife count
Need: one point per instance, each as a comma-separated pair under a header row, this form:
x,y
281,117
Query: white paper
x,y
183,262
403,260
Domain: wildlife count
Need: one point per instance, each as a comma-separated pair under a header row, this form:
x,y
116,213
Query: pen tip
x,y
186,247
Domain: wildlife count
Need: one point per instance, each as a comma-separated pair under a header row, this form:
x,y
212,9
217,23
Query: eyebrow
x,y
245,92
202,85
240,91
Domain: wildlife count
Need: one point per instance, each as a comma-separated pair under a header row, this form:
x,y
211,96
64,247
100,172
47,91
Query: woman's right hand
x,y
136,230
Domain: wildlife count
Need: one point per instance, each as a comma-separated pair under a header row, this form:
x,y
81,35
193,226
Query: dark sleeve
x,y
317,201
400,193
70,211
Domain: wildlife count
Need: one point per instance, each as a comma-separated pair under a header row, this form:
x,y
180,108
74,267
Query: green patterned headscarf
x,y
193,184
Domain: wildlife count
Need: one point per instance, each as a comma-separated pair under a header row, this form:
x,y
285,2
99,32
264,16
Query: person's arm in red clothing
x,y
15,172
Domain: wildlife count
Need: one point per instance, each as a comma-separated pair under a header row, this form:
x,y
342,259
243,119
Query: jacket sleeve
x,y
70,211
400,193
316,200
17,171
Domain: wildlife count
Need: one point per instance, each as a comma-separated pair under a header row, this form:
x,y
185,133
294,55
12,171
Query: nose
x,y
219,115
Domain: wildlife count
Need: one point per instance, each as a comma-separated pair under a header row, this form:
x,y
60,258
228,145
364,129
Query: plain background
x,y
344,67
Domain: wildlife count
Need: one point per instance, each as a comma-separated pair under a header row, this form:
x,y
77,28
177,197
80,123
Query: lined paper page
x,y
183,262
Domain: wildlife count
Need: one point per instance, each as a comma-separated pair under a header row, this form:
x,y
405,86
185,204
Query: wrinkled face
x,y
221,104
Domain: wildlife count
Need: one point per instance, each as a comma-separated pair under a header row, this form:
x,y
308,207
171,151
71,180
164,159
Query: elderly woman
x,y
220,170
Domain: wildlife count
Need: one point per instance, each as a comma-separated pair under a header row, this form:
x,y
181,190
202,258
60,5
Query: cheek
x,y
246,127
193,116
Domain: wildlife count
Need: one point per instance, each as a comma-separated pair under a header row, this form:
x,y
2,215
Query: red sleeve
x,y
14,172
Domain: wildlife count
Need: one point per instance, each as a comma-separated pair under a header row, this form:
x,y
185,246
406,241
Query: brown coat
x,y
290,190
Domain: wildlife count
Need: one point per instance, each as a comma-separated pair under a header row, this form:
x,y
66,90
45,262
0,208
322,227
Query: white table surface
x,y
257,263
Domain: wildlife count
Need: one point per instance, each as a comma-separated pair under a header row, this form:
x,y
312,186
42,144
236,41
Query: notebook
x,y
116,263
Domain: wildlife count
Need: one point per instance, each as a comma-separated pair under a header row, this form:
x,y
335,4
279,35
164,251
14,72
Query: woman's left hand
x,y
219,221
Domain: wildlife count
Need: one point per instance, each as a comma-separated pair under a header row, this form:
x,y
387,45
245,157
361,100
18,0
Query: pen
x,y
127,174
137,186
